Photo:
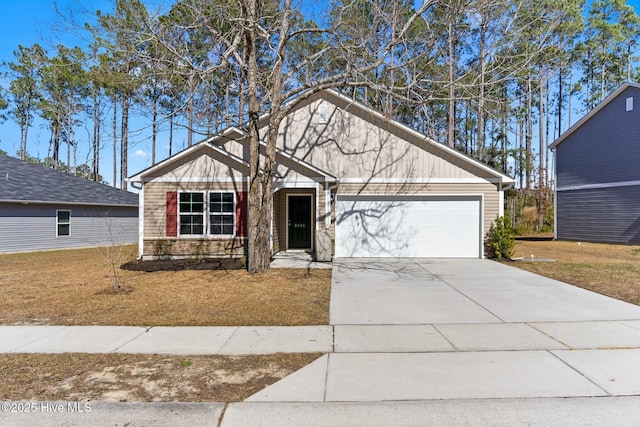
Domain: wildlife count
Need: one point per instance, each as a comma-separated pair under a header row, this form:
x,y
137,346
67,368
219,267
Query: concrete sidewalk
x,y
166,340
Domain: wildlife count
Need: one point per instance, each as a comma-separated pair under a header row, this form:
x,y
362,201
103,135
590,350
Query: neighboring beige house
x,y
349,183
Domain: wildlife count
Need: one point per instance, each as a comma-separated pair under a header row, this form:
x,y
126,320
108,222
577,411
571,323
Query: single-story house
x,y
349,182
597,175
42,209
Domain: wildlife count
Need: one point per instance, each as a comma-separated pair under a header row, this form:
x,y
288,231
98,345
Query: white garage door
x,y
408,226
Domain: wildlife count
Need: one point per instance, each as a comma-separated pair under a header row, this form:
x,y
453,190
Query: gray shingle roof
x,y
23,181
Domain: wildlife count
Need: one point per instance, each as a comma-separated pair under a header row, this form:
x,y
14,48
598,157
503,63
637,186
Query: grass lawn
x,y
73,287
612,270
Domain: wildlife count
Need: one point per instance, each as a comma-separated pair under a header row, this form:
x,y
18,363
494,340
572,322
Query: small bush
x,y
200,251
500,242
162,249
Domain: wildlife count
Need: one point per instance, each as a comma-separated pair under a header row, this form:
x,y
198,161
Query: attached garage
x,y
408,226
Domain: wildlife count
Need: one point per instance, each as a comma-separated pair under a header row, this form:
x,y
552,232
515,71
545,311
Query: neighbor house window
x,y
63,222
222,213
191,211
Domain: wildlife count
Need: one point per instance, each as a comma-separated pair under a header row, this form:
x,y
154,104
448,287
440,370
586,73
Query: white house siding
x,y
32,227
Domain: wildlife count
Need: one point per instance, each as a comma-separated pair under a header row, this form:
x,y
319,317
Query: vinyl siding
x,y
184,246
608,215
605,149
33,227
603,153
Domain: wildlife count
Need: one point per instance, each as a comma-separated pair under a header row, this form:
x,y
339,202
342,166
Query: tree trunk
x,y
170,135
451,122
529,135
154,129
483,30
190,111
259,203
95,165
115,141
124,141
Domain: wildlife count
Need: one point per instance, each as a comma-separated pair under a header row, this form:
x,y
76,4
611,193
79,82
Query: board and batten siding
x,y
598,177
33,227
356,143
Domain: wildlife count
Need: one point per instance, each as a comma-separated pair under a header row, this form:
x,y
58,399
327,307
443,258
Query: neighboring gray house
x,y
597,171
42,209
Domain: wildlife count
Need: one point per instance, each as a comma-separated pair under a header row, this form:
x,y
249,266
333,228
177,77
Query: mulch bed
x,y
185,264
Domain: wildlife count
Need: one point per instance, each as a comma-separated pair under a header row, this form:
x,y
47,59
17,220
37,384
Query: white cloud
x,y
140,153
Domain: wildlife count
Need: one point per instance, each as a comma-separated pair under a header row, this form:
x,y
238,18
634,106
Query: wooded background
x,y
498,80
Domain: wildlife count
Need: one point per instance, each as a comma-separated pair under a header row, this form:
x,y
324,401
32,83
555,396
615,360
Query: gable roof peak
x,y
613,95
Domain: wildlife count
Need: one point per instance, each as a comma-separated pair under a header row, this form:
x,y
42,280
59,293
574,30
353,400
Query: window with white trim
x,y
222,214
63,223
191,212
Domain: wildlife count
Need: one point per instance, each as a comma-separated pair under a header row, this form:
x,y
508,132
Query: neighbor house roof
x,y
592,113
26,182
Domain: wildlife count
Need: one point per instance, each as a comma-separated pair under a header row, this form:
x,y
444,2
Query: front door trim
x,y
311,222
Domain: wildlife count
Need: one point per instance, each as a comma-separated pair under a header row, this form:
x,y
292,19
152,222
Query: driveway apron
x,y
432,291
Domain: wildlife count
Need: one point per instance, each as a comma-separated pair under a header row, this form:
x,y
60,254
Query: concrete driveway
x,y
428,291
462,332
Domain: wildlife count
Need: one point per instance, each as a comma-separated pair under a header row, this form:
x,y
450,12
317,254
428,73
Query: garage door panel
x,y
438,227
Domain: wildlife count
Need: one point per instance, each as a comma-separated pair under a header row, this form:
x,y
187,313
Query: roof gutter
x,y
54,202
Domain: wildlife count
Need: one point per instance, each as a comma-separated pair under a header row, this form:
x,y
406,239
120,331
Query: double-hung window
x,y
215,218
191,210
63,223
222,213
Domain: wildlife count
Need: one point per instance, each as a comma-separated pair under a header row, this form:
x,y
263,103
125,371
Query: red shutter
x,y
172,213
241,214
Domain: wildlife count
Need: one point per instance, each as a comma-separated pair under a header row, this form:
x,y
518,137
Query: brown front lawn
x,y
73,287
612,270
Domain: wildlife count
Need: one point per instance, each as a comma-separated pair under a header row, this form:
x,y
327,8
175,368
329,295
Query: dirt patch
x,y
74,288
142,378
612,270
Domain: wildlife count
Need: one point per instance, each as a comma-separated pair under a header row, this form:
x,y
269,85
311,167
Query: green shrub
x,y
500,242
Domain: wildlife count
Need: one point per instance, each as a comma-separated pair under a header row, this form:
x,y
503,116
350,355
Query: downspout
x,y
140,187
327,202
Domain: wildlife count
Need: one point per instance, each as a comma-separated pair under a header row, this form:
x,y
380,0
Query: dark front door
x,y
299,209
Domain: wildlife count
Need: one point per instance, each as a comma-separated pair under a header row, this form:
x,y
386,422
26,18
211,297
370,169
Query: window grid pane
x,y
221,213
192,209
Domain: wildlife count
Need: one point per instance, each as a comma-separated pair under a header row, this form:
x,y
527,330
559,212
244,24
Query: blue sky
x,y
25,22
